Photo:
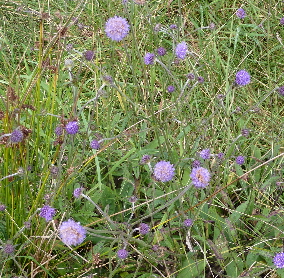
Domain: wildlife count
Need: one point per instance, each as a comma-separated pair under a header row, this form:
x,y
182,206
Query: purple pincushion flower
x,y
164,171
282,21
187,222
72,233
278,260
181,50
240,159
205,154
280,90
200,177
149,58
220,155
117,28
8,248
47,212
144,229
171,88
89,55
242,78
145,159
72,127
58,130
241,13
161,51
122,254
95,144
173,26
2,207
200,79
16,136
77,192
196,163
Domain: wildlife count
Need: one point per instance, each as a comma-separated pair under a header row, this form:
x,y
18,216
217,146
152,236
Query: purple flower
x,y
122,253
171,88
164,171
72,127
282,21
47,212
71,232
145,159
200,177
77,192
58,130
240,159
95,145
245,132
196,164
242,78
161,51
89,55
16,136
2,207
200,79
117,28
187,222
205,154
190,76
144,229
220,155
241,13
149,58
8,248
181,50
278,260
280,90
173,26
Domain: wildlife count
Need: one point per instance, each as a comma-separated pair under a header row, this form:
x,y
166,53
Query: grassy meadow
x,y
136,157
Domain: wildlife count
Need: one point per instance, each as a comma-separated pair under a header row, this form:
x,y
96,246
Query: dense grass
x,y
237,219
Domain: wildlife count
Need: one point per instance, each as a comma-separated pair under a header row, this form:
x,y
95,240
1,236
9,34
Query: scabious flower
x,y
161,51
173,26
77,192
190,76
187,222
200,79
72,127
241,13
164,171
278,260
58,130
280,90
205,154
181,50
242,78
220,155
149,58
89,55
240,159
2,207
95,144
245,132
122,254
196,163
171,88
282,21
144,229
145,159
200,177
8,248
117,28
72,233
16,136
47,212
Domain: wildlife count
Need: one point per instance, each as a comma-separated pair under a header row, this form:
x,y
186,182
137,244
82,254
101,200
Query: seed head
x,y
200,177
72,127
72,233
47,212
149,58
242,78
278,260
164,171
181,50
117,28
122,254
241,13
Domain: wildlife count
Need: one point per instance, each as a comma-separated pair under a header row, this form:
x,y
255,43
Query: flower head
x,y
187,222
149,58
278,260
171,88
16,136
205,154
72,127
282,21
47,212
190,76
196,163
280,90
71,232
181,50
144,229
200,177
173,26
58,130
220,155
8,248
145,159
242,78
117,28
161,51
240,159
95,144
77,192
164,171
122,253
89,55
2,207
241,13
200,79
